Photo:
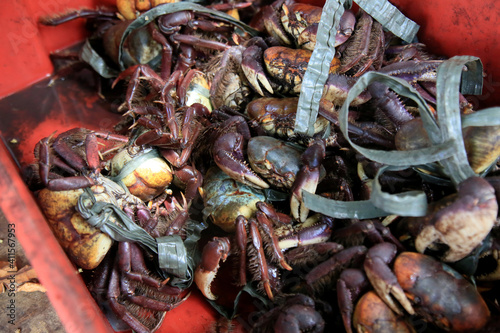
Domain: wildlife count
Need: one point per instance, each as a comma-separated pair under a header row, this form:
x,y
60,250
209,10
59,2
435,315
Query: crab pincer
x,y
307,179
215,251
229,157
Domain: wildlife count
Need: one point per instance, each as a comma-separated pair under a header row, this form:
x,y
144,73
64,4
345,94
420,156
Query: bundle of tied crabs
x,y
209,107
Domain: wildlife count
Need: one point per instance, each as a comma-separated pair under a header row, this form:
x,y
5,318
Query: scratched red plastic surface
x,y
459,27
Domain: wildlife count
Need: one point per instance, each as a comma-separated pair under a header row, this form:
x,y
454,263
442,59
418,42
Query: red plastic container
x,y
459,27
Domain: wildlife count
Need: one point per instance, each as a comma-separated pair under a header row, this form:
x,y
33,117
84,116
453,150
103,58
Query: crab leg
x,y
241,243
261,258
120,309
192,178
317,233
253,69
132,265
351,284
92,152
277,217
74,160
332,266
307,179
75,14
134,72
68,153
166,58
266,226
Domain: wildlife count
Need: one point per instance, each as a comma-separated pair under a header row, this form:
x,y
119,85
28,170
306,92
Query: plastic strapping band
x,y
134,164
318,67
91,57
391,18
171,250
113,221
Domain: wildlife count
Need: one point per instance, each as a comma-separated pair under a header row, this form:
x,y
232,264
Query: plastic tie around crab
x,y
178,257
111,220
91,57
170,248
318,67
447,152
175,256
168,8
465,74
134,164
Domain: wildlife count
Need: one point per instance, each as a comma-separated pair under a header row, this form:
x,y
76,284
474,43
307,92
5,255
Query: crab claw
x,y
317,232
215,251
383,279
251,65
307,179
228,155
461,221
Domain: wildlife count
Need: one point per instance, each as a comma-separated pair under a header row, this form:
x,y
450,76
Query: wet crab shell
x,y
148,180
273,159
440,294
276,116
288,66
225,199
373,315
85,245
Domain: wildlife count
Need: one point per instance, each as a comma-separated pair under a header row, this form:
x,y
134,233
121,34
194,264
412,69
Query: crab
x,y
260,248
294,313
261,234
271,67
420,284
106,31
69,169
448,225
299,30
228,155
128,279
360,43
276,117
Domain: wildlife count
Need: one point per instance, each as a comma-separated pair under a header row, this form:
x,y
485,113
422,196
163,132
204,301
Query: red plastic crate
x,y
459,27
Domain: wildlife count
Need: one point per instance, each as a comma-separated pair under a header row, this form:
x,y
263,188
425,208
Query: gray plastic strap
x,y
113,221
134,164
318,67
391,18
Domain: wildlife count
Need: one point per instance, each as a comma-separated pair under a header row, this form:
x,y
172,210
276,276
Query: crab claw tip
x,y
203,280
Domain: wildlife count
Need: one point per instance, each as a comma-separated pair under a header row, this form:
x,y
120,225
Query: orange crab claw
x,y
215,251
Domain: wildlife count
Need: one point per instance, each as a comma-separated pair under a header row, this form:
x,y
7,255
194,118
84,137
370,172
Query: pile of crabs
x,y
207,147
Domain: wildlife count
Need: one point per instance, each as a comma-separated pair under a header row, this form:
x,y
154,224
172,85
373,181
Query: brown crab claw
x,y
383,279
215,251
307,179
460,221
251,64
228,155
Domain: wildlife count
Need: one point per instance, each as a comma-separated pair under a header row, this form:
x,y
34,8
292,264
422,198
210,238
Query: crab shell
x,y
148,180
443,296
85,245
225,199
373,315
